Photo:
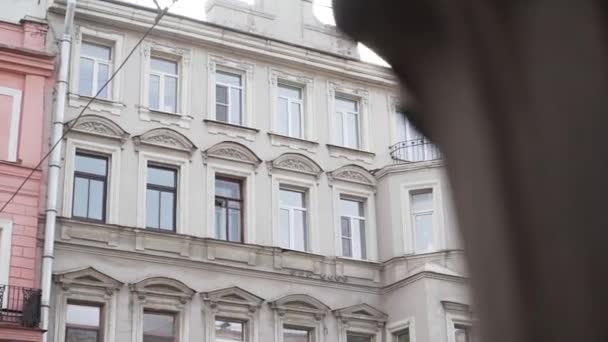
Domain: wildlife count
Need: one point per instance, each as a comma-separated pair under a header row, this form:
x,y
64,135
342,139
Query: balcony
x,y
20,306
415,150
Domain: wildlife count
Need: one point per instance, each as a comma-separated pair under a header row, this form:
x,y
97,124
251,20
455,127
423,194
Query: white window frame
x,y
161,84
181,165
229,95
306,84
6,236
96,63
113,40
344,115
291,101
15,119
361,96
458,314
394,328
407,216
234,66
351,322
313,319
354,247
291,219
113,152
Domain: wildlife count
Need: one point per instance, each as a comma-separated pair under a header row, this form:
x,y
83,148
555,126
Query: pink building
x,y
26,72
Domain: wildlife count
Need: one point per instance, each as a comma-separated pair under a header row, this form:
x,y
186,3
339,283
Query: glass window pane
x,y
292,198
352,130
235,106
462,333
424,232
152,208
228,188
229,330
345,224
346,105
228,78
80,335
103,73
296,120
154,94
96,51
358,338
90,164
422,200
362,239
151,338
167,210
234,225
401,126
220,220
299,230
221,113
284,237
163,65
221,94
350,207
283,112
170,94
85,77
161,176
403,336
295,335
80,201
340,129
158,324
96,200
290,91
84,315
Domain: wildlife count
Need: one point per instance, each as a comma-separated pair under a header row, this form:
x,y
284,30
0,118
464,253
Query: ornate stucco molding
x,y
233,151
166,138
295,162
352,174
99,126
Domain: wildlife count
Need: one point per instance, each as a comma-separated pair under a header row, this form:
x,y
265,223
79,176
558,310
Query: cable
x,y
160,15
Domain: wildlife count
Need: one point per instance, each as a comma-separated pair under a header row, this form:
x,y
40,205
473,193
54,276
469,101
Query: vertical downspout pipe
x,y
55,165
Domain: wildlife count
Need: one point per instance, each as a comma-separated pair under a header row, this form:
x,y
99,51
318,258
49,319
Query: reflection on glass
x,y
226,330
294,334
159,327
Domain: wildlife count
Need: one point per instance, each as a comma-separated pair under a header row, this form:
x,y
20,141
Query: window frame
x,y
344,128
174,315
241,201
164,189
309,330
439,227
244,323
458,314
415,213
229,103
161,83
6,231
362,247
96,62
301,102
372,337
394,328
99,330
360,94
14,122
89,177
291,209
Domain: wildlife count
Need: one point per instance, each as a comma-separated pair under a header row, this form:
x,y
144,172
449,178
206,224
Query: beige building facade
x,y
246,179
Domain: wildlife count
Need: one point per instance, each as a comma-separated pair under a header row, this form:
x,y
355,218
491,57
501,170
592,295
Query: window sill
x,y
277,139
165,118
350,153
98,105
231,130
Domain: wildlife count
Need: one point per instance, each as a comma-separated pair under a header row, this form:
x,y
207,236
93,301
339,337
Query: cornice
x,y
405,167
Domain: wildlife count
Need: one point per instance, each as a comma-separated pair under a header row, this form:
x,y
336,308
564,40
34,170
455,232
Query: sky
x,y
322,10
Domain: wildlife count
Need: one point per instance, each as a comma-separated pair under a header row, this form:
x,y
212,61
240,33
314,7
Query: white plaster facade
x,y
126,268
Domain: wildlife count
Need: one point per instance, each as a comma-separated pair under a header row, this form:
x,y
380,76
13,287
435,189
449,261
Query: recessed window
x,y
83,323
350,337
90,184
293,232
159,327
95,68
462,333
163,85
347,122
290,111
161,203
423,211
227,330
228,209
296,334
402,336
229,98
352,224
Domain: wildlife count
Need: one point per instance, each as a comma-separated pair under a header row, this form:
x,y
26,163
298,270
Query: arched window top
x,y
233,151
296,162
354,174
162,286
87,277
166,138
300,303
100,126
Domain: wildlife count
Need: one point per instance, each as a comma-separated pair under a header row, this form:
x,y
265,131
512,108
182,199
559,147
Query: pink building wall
x,y
26,72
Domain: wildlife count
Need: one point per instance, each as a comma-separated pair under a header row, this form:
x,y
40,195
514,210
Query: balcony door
x,y
411,145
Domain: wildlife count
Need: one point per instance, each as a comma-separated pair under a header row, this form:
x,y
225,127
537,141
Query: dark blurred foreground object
x,y
516,95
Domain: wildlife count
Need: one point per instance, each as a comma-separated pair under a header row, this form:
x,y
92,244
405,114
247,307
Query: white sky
x,y
322,10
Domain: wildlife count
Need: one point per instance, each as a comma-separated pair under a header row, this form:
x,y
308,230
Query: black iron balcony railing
x,y
415,150
20,305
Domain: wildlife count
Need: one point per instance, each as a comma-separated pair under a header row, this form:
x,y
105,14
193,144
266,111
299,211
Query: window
x,y
228,209
352,223
296,334
95,68
411,145
161,194
293,232
228,98
422,210
83,323
402,336
350,337
462,333
163,85
290,111
90,183
227,330
347,123
159,327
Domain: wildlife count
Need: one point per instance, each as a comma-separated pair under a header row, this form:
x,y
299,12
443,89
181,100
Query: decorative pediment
x,y
162,287
300,303
454,306
166,138
233,296
233,151
361,312
88,277
352,173
98,125
295,162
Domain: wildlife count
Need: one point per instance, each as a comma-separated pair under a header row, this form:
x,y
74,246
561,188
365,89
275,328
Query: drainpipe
x,y
55,165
